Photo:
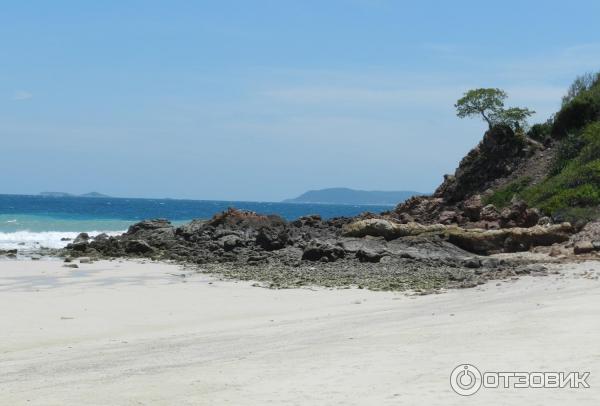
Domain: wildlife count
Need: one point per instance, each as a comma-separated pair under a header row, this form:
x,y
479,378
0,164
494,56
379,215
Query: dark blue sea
x,y
40,220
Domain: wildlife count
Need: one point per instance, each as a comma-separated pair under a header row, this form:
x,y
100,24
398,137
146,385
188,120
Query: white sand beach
x,y
127,333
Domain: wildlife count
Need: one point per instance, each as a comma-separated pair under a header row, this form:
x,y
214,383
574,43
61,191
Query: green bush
x,y
576,181
503,196
540,132
568,149
591,139
579,111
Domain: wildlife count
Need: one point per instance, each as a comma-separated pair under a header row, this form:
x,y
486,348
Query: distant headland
x,y
64,194
351,196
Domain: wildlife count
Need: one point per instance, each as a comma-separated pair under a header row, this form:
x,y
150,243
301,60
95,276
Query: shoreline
x,y
127,332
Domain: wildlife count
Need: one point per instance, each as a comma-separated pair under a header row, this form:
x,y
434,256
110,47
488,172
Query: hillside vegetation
x,y
571,189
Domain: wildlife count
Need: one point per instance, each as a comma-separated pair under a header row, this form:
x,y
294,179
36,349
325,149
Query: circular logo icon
x,y
465,379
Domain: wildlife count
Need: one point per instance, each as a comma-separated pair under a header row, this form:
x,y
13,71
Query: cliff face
x,y
499,153
462,197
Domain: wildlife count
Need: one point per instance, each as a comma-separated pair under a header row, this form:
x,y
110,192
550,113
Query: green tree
x,y
514,117
485,102
489,104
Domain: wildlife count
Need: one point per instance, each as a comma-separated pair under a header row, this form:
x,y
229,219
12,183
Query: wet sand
x,y
127,333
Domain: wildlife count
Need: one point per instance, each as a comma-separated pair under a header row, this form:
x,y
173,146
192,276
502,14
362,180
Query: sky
x,y
263,100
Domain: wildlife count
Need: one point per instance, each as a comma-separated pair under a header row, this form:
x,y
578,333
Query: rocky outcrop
x,y
478,241
423,209
388,229
460,197
516,239
499,153
234,235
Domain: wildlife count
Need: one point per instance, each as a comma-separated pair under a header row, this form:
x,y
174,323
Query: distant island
x,y
63,194
351,196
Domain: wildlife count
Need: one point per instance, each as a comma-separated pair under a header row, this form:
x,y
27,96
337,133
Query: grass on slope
x,y
576,183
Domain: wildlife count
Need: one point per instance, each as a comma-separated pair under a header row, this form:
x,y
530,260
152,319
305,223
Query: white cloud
x,y
20,95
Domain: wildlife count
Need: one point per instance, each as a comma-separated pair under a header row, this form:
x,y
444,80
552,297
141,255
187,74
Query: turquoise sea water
x,y
46,221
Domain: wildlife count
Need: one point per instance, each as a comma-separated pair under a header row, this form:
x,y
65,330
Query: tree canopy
x,y
489,104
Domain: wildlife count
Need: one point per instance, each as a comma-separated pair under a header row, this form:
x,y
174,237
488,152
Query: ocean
x,y
29,222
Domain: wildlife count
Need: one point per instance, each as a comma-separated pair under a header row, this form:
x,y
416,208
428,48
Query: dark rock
x,y
307,221
80,246
137,247
583,247
191,230
489,213
271,239
316,250
518,215
82,237
448,217
472,263
245,220
231,241
369,255
513,245
490,263
472,208
149,225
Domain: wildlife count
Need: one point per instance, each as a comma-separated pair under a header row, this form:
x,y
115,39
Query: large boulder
x,y
230,242
137,247
472,208
148,225
365,254
235,219
317,250
81,238
272,238
158,233
489,213
518,215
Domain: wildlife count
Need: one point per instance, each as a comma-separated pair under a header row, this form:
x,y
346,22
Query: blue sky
x,y
262,100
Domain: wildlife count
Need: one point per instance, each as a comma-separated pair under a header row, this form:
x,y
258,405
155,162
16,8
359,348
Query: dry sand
x,y
126,333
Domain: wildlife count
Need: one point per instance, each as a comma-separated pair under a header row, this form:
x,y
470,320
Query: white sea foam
x,y
27,240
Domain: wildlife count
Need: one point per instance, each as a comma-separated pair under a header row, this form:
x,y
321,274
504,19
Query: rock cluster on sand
x,y
309,250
